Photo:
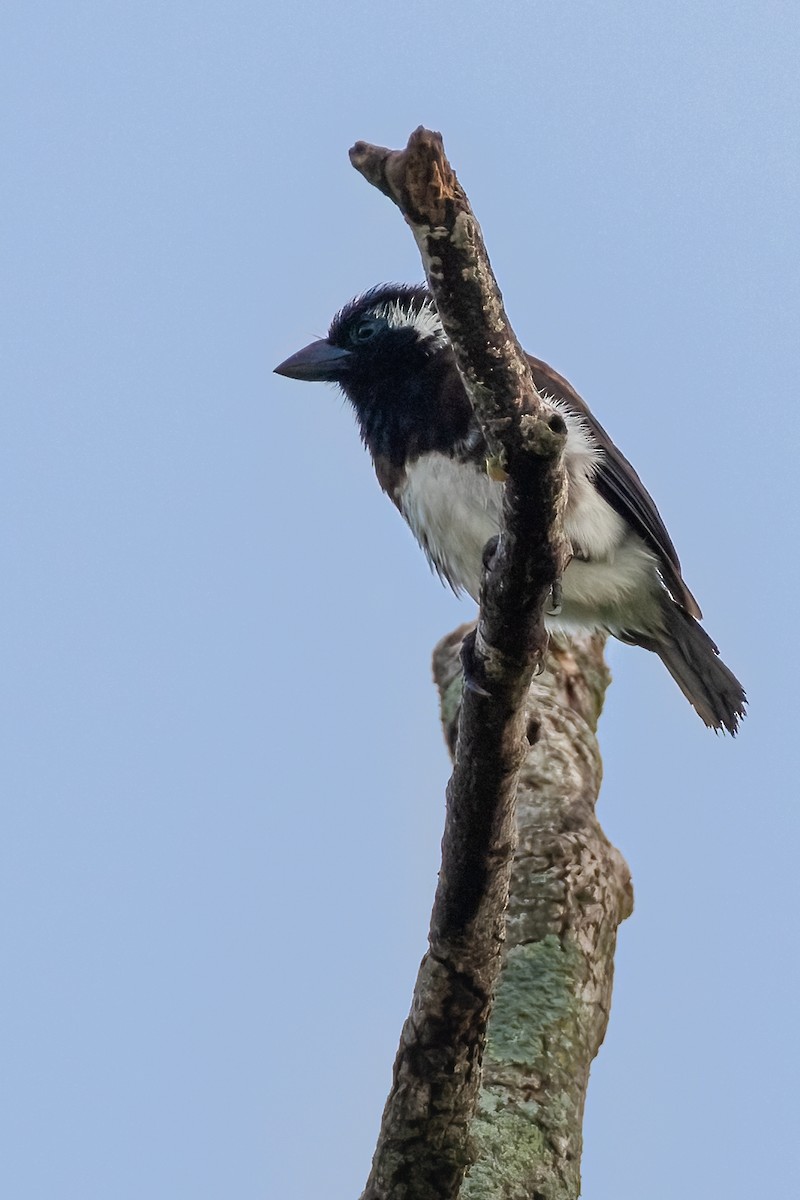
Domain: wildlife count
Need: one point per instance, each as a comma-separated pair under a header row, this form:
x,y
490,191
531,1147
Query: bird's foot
x,y
540,666
489,551
469,665
556,600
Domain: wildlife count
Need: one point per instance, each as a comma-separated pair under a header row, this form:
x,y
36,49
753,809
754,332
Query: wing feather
x,y
621,487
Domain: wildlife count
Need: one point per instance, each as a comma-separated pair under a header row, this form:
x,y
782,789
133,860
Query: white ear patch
x,y
425,320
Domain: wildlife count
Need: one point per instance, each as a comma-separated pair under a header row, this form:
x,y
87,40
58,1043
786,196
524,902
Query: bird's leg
x,y
468,666
557,590
556,598
540,666
489,551
468,663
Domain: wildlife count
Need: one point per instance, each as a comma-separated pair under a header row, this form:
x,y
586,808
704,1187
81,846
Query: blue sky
x,y
222,775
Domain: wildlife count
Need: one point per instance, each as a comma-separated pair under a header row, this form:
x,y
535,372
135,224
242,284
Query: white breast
x,y
453,509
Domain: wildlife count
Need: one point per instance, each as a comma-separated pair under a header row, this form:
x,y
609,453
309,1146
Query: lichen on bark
x,y
569,890
530,892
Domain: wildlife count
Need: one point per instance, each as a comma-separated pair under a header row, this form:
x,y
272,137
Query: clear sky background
x,y
222,774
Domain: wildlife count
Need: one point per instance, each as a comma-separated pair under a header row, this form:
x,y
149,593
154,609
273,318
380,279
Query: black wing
x,y
621,487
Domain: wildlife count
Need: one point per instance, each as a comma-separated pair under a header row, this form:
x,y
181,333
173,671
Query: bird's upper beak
x,y
319,361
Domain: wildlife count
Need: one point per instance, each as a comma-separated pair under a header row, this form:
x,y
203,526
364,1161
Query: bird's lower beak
x,y
319,361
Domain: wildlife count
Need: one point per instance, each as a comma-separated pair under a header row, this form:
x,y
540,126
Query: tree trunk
x,y
570,888
555,896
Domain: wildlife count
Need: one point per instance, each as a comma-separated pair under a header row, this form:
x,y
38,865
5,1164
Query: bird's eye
x,y
365,330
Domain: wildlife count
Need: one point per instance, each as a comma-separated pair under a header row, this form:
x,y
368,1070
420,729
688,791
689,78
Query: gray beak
x,y
318,361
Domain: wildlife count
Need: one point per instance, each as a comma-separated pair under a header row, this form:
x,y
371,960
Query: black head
x,y
389,354
389,328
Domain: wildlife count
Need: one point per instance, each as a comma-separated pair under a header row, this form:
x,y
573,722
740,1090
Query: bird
x,y
388,352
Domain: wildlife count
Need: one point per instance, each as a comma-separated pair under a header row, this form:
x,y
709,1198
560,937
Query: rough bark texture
x,y
424,186
423,1148
532,1102
570,888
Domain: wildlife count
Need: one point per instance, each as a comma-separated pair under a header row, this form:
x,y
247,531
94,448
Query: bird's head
x,y
388,352
391,329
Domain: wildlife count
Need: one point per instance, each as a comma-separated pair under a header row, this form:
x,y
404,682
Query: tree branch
x,y
570,889
424,1146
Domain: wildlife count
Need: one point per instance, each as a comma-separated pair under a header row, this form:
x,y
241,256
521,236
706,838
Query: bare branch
x,y
424,1148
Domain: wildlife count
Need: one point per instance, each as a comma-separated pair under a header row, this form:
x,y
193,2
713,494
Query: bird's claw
x,y
541,662
472,685
467,664
556,599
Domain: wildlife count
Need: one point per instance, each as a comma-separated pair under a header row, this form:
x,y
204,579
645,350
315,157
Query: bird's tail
x,y
693,661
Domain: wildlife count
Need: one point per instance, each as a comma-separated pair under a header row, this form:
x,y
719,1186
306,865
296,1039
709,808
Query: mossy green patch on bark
x,y
509,1143
570,889
533,1036
536,992
516,1162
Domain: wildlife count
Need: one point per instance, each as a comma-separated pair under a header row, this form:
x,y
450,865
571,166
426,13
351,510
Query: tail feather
x,y
693,661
